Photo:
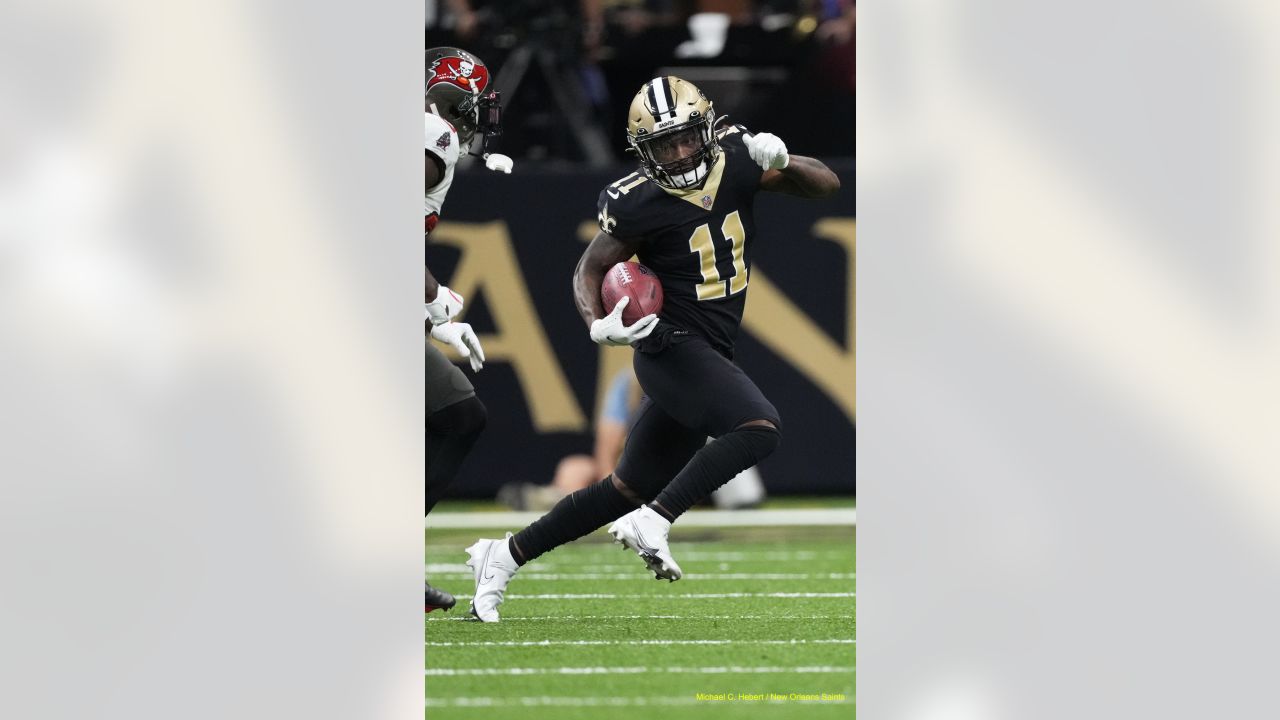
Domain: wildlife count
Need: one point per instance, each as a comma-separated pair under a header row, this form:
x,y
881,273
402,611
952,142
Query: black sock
x,y
450,434
578,514
714,465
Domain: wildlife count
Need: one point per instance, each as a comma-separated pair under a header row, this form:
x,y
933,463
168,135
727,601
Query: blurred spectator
x,y
838,33
633,17
498,26
569,68
578,471
546,52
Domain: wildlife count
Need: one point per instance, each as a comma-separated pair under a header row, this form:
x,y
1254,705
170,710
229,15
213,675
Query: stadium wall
x,y
509,244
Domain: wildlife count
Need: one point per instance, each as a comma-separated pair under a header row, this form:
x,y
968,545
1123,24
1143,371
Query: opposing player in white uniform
x,y
457,106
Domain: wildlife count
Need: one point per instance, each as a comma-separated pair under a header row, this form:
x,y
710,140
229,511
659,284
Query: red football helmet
x,y
458,91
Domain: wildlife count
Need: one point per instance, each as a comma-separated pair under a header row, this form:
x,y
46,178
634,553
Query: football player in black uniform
x,y
688,214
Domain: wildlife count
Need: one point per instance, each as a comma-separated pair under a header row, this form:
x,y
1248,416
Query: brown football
x,y
636,281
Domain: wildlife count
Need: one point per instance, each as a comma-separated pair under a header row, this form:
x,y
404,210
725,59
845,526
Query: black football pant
x,y
692,392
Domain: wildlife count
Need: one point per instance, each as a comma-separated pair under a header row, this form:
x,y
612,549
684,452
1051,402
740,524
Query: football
x,y
636,281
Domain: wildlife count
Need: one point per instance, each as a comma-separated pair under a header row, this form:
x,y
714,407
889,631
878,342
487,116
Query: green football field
x,y
762,623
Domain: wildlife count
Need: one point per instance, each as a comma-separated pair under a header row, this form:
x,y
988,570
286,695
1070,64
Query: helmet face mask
x,y
677,158
670,126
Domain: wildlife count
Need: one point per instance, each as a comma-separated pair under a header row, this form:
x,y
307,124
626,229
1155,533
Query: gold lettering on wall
x,y
785,329
488,266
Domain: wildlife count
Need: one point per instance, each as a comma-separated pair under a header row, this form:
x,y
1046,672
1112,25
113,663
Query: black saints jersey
x,y
697,240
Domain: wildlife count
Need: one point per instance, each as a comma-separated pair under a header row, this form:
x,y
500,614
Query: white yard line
x,y
538,567
638,573
549,561
546,643
684,596
448,568
547,701
600,568
468,618
748,555
696,519
641,670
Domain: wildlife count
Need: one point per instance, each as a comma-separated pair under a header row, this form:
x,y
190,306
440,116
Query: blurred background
x,y
567,70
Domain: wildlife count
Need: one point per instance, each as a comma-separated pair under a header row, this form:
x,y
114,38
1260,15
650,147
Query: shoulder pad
x,y
730,131
614,201
440,139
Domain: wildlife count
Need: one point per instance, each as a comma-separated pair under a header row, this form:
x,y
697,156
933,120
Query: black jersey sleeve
x,y
732,136
621,208
609,215
744,174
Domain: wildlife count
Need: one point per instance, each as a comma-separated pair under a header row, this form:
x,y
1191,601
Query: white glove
x,y
445,307
768,150
463,339
609,329
498,162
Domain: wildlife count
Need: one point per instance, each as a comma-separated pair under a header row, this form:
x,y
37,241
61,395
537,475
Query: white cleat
x,y
645,532
494,567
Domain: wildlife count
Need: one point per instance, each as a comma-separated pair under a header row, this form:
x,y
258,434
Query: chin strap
x,y
496,162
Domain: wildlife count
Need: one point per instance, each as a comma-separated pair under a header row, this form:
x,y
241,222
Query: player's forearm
x,y
587,278
433,287
810,177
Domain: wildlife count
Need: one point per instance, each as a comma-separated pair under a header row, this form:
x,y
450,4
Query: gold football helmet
x,y
671,127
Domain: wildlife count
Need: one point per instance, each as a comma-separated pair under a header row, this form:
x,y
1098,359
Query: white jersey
x,y
442,141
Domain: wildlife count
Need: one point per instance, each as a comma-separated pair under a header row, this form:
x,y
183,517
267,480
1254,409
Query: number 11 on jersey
x,y
702,243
